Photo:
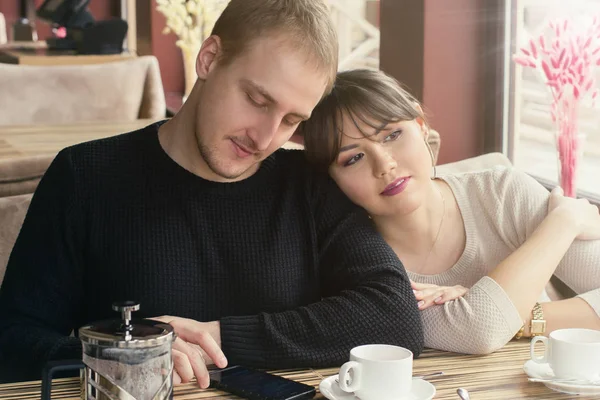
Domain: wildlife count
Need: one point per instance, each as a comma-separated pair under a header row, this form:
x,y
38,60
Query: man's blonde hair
x,y
305,22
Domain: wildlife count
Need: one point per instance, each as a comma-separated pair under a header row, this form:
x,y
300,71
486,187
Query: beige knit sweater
x,y
501,208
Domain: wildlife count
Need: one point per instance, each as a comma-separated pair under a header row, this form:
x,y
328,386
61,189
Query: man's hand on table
x,y
198,344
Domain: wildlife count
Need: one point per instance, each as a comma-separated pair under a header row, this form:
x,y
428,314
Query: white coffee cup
x,y
378,372
571,353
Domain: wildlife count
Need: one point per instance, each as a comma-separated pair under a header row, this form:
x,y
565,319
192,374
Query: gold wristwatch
x,y
537,327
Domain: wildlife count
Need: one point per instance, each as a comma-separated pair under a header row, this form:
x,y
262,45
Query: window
x,y
529,133
357,24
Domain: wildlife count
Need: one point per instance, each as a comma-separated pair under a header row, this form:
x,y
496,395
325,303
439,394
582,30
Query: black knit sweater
x,y
294,272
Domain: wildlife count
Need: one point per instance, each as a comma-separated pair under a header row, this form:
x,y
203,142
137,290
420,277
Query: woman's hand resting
x,y
431,295
579,212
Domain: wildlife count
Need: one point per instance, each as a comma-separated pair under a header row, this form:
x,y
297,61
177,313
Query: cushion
x,y
54,94
22,175
12,213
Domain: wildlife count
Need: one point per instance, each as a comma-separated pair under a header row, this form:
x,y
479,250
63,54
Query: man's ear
x,y
208,56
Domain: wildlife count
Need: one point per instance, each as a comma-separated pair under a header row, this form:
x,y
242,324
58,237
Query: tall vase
x,y
189,54
570,143
570,152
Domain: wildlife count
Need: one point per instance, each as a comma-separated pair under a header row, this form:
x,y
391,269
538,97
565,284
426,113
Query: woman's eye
x,y
354,159
392,136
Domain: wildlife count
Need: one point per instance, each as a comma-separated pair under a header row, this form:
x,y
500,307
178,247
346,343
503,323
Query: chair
x,y
22,175
12,213
555,289
53,94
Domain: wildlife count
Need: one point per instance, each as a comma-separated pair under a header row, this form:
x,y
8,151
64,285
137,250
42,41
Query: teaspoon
x,y
463,394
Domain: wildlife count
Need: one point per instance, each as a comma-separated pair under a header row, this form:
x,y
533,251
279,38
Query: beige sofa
x,y
12,214
53,94
22,175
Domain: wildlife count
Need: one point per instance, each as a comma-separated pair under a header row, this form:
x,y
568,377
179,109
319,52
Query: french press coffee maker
x,y
122,359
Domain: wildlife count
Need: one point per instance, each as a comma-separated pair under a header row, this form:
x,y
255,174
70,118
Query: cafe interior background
x,y
457,57
135,64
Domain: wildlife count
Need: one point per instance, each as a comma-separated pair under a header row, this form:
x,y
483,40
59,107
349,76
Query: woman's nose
x,y
385,163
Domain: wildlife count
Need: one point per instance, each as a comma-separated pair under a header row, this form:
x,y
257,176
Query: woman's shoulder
x,y
500,189
497,179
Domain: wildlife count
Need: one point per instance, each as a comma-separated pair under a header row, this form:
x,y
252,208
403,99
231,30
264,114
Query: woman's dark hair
x,y
367,96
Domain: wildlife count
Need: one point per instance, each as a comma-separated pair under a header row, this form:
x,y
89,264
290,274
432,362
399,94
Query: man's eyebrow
x,y
349,147
263,92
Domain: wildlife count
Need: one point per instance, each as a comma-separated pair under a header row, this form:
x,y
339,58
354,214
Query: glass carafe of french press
x,y
126,359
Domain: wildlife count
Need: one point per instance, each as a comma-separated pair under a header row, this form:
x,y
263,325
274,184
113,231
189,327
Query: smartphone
x,y
258,385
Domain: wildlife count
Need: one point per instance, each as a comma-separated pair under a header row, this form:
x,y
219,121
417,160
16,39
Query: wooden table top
x,y
34,140
493,377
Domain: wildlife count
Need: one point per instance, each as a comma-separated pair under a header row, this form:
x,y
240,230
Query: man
x,y
264,261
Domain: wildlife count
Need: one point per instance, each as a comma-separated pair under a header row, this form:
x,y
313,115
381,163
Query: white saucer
x,y
543,371
421,390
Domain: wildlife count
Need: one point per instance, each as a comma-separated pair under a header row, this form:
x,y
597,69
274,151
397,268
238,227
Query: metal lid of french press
x,y
127,333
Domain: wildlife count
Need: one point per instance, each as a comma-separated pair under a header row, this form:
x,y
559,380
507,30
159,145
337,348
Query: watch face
x,y
538,326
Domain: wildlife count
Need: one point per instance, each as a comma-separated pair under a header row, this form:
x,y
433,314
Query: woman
x,y
497,232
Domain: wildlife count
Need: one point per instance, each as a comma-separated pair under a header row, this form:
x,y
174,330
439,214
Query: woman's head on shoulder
x,y
370,134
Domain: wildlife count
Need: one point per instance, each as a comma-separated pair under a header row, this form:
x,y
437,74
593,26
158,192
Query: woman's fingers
x,y
428,301
428,292
439,295
421,286
452,293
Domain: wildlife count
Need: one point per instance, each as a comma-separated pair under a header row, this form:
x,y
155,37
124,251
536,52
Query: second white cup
x,y
378,372
571,353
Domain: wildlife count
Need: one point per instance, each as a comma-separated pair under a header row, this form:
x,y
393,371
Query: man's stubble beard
x,y
211,158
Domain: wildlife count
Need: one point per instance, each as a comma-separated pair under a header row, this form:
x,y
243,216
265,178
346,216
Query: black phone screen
x,y
258,385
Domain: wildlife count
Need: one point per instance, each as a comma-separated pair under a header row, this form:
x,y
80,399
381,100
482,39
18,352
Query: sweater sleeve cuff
x,y
503,302
242,340
593,299
66,348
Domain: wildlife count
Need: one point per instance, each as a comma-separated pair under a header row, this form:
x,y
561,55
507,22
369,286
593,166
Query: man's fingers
x,y
176,378
197,363
181,364
191,334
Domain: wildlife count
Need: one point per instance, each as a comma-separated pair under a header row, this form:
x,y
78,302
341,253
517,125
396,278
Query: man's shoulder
x,y
290,157
114,150
294,162
119,142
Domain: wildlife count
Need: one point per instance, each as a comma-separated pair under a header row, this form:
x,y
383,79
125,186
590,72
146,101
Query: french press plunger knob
x,y
126,308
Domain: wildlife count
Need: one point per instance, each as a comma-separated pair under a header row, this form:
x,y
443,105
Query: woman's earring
x,y
432,159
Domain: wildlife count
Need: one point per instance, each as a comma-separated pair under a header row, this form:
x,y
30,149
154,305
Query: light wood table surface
x,y
36,140
498,376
